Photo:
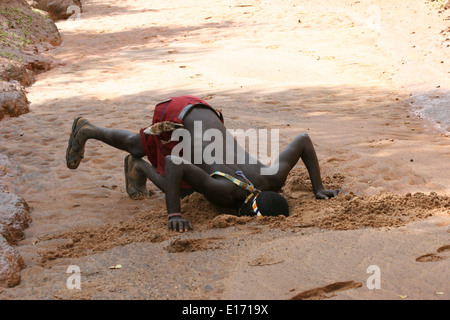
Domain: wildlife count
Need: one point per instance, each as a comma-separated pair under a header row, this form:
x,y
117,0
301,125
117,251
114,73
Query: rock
x,y
13,101
6,233
14,218
10,265
26,35
39,64
56,8
14,213
12,70
26,27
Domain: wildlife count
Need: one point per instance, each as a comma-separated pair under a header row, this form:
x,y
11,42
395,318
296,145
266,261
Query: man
x,y
236,184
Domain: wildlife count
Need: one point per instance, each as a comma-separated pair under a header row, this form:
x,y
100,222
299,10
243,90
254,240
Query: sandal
x,y
135,186
75,151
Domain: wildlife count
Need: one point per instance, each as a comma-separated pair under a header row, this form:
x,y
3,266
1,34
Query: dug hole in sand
x,y
315,68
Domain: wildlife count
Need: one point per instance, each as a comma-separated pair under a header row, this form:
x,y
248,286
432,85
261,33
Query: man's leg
x,y
136,173
137,170
83,130
302,148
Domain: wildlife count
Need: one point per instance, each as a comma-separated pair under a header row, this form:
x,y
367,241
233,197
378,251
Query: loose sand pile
x,y
345,212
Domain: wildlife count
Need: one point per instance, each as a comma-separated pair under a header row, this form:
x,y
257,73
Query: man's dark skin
x,y
216,189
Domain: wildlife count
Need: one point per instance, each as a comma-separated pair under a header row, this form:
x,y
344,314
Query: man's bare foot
x,y
135,182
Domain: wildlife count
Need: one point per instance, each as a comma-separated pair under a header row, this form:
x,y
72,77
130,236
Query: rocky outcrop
x,y
10,265
58,9
13,101
14,219
25,35
14,216
12,70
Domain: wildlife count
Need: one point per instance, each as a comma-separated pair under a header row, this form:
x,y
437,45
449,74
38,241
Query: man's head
x,y
268,203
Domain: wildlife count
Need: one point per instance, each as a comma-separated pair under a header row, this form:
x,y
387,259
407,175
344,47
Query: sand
x,y
354,87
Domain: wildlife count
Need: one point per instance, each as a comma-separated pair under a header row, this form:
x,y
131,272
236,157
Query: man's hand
x,y
327,194
177,223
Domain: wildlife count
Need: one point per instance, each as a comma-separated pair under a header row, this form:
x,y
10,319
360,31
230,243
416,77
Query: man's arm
x,y
302,147
177,170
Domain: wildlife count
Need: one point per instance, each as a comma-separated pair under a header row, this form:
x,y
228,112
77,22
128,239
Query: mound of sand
x,y
345,212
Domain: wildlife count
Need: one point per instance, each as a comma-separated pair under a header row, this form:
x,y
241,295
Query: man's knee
x,y
171,161
168,159
304,137
135,146
174,160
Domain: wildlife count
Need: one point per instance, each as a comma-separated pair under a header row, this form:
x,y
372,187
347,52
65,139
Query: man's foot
x,y
135,182
75,149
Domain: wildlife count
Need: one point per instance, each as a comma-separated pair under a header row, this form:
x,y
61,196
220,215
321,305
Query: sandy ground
x,y
332,69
